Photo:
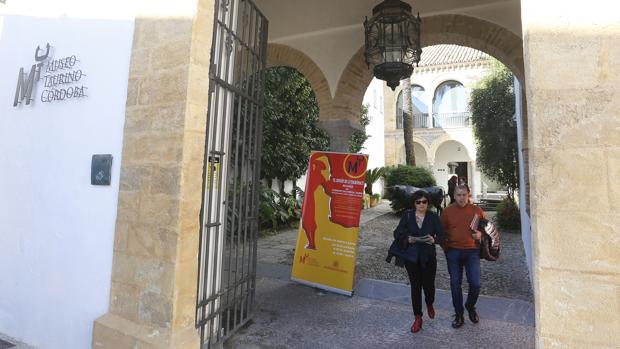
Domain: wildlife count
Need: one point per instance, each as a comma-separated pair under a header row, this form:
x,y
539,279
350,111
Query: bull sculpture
x,y
401,197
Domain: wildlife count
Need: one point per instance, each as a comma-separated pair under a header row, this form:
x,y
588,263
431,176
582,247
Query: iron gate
x,y
229,215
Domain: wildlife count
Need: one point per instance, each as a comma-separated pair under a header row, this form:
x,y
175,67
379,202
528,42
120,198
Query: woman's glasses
x,y
418,202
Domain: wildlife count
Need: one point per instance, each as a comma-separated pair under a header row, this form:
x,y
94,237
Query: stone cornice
x,y
451,67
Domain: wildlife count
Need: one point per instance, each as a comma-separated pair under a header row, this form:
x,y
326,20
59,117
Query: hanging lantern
x,y
392,41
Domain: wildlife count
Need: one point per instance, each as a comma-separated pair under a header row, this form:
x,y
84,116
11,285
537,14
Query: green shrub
x,y
419,177
508,217
407,175
277,209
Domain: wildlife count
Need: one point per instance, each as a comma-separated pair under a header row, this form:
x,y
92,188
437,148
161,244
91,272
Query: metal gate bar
x,y
228,237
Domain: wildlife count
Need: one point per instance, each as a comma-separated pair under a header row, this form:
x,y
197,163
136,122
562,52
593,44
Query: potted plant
x,y
374,199
372,176
366,201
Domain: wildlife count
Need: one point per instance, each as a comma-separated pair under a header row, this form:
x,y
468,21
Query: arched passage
x,y
278,54
339,127
453,152
485,36
420,150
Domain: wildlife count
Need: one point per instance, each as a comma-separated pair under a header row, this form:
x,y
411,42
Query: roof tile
x,y
448,54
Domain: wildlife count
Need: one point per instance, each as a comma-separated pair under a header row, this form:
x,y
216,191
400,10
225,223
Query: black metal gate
x,y
229,215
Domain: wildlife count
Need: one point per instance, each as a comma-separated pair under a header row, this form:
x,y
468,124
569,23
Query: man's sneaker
x,y
473,315
458,321
430,310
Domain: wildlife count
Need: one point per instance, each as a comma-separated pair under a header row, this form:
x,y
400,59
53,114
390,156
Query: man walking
x,y
461,243
451,186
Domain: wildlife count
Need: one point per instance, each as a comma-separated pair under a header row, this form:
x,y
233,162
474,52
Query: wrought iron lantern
x,y
392,41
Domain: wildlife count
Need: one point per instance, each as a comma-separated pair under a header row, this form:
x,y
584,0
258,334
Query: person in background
x,y
462,181
451,185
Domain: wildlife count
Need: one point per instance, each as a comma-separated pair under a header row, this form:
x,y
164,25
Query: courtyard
x,y
379,314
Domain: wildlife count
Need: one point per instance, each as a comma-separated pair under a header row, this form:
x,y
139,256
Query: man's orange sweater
x,y
455,221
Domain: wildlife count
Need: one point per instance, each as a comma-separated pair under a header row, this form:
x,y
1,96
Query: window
x,y
450,105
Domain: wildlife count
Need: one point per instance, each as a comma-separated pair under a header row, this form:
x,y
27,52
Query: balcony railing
x,y
419,121
451,120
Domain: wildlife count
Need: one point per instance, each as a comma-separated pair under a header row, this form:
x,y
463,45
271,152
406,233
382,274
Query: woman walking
x,y
422,230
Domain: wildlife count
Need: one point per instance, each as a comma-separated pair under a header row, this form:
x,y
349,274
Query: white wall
x,y
375,145
56,229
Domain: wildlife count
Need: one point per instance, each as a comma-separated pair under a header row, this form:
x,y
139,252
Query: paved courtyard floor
x,y
290,315
378,315
507,277
7,342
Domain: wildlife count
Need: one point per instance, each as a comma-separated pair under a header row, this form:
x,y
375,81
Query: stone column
x,y
340,132
154,273
572,61
475,181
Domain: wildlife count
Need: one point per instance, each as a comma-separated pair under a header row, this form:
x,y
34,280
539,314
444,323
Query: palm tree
x,y
372,176
408,122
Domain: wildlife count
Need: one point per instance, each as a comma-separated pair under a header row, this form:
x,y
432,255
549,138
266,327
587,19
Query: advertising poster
x,y
330,216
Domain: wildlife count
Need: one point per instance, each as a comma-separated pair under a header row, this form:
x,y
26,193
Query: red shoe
x,y
417,324
431,311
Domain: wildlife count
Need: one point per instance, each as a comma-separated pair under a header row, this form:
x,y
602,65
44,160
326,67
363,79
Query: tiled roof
x,y
448,54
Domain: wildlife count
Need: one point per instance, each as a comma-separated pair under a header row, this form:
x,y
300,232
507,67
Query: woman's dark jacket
x,y
418,252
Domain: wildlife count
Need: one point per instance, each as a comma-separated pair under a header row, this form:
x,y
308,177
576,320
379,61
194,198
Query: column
x,y
475,181
340,132
572,82
155,265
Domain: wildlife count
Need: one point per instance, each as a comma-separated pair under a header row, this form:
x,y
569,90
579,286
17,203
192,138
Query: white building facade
x,y
443,137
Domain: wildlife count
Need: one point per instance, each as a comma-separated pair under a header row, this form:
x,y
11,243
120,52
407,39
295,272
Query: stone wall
x,y
153,294
573,100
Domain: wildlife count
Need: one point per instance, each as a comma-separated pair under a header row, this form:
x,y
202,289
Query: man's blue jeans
x,y
457,259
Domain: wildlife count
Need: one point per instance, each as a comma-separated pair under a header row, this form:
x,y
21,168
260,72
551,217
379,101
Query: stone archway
x,y
472,32
283,55
468,31
330,118
437,143
423,157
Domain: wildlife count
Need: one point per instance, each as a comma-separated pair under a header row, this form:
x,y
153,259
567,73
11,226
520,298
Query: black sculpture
x,y
401,197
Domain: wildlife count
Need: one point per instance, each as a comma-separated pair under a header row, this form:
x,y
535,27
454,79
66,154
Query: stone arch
x,y
420,148
436,104
424,146
283,55
476,33
352,86
442,80
472,32
437,143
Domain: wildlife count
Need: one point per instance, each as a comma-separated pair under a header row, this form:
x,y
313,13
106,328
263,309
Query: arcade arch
x,y
485,36
421,152
283,55
452,151
339,115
